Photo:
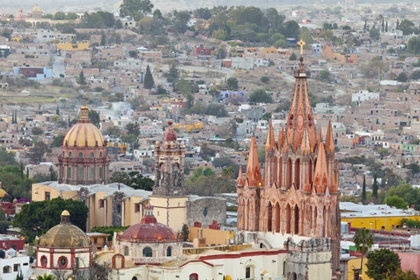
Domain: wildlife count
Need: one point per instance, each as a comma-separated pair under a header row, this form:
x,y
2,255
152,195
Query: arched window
x,y
126,251
7,269
134,278
169,251
91,155
69,172
44,261
62,262
70,154
147,252
80,155
193,276
100,154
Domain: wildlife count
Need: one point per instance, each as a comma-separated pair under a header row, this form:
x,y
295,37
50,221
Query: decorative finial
x,y
84,100
170,123
301,44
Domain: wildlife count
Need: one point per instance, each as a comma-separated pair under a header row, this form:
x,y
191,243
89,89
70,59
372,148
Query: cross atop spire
x,y
300,113
301,44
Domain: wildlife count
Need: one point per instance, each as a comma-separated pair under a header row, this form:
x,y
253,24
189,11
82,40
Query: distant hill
x,y
49,6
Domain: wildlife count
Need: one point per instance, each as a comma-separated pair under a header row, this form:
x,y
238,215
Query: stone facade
x,y
298,194
205,210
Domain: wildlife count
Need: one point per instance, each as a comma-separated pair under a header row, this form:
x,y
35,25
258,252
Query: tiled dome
x,y
149,230
84,133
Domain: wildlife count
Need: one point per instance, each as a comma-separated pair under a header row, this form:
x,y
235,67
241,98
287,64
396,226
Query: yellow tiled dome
x,y
84,133
36,9
64,235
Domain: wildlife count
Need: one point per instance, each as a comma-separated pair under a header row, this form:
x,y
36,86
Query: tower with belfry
x,y
297,196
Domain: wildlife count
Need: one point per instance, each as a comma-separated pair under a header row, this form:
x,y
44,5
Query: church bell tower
x,y
169,195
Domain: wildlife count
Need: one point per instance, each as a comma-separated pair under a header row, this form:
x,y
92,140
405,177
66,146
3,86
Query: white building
x,y
13,265
364,95
243,63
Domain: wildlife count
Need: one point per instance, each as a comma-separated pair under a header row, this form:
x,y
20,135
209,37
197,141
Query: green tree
x,y
382,263
415,75
402,77
398,202
265,79
58,140
363,240
45,277
232,83
131,7
94,117
260,96
38,151
414,45
103,39
403,275
82,79
185,232
324,75
375,187
406,26
364,190
293,56
71,16
208,172
109,230
133,128
374,34
173,73
217,109
37,131
148,79
414,167
132,179
59,16
36,218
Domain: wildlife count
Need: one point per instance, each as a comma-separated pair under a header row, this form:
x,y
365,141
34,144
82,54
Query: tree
x,y
222,162
414,167
260,96
324,75
173,73
71,16
58,140
403,275
45,277
218,110
94,117
103,39
406,26
133,128
37,131
293,56
364,190
265,79
131,7
374,34
382,263
402,77
363,240
185,232
415,75
38,151
375,187
148,79
37,217
396,201
232,83
82,79
414,45
59,16
132,179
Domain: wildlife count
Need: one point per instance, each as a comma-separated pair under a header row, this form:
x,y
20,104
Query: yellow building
x,y
353,263
374,217
210,236
111,204
68,46
198,126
